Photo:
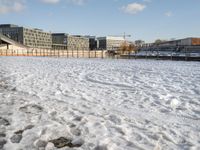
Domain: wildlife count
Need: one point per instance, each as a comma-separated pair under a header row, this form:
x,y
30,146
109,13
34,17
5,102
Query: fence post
x,y
89,54
135,55
40,52
171,55
157,55
146,55
186,56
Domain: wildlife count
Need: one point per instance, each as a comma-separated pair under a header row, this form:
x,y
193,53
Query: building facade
x,y
182,42
59,41
139,43
93,42
77,43
110,42
70,42
34,38
7,43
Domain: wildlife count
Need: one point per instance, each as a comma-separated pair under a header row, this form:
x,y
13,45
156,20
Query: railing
x,y
162,55
54,53
186,55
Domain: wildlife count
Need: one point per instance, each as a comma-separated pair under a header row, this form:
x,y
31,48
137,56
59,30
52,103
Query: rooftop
x,y
8,26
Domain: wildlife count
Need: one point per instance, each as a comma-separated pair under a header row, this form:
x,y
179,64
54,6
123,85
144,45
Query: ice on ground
x,y
97,104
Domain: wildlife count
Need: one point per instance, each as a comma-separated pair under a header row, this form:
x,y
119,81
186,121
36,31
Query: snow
x,y
99,104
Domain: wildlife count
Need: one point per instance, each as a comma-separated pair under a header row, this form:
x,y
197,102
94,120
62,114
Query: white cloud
x,y
133,8
9,6
50,1
168,14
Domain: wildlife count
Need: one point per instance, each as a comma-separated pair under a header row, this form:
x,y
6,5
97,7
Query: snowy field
x,y
97,104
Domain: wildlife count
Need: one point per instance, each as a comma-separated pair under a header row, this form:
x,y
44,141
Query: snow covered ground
x,y
97,104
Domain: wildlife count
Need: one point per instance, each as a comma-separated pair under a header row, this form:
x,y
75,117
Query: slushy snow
x,y
99,104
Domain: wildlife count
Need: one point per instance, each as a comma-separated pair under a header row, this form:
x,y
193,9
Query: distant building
x,y
93,42
77,42
7,43
59,41
139,43
34,38
110,42
181,42
190,44
70,42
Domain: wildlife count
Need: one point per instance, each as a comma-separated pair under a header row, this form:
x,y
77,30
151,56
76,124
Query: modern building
x,y
7,43
59,41
191,45
139,43
93,42
70,42
110,42
77,42
181,42
34,38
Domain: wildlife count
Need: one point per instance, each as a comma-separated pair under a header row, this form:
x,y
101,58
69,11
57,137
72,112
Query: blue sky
x,y
143,19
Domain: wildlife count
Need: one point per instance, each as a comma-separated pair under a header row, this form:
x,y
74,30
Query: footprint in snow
x,y
4,122
17,136
64,142
31,109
